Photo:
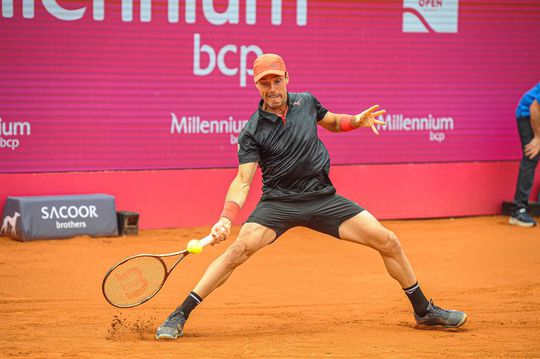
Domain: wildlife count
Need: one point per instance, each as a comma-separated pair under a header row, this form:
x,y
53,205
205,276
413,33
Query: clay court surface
x,y
305,296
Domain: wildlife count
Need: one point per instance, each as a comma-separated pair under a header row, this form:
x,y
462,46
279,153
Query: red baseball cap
x,y
268,64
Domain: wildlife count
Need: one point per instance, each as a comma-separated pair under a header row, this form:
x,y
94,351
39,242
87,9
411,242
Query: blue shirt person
x,y
528,123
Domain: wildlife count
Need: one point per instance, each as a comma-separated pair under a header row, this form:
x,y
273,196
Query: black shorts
x,y
323,214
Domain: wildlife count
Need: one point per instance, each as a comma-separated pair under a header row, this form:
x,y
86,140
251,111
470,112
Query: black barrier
x,y
49,217
128,223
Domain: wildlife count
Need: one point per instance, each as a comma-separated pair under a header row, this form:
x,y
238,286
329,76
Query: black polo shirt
x,y
295,163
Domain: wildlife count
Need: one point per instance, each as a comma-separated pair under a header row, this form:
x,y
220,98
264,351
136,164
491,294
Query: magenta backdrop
x,y
85,87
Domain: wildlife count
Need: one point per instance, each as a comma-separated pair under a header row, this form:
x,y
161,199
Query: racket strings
x,y
134,281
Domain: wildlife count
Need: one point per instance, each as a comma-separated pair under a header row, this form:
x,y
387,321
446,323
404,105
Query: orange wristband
x,y
230,210
345,123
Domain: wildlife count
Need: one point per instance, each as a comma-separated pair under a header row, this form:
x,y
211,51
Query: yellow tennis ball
x,y
194,246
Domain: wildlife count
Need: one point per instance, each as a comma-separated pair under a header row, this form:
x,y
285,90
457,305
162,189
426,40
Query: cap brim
x,y
268,72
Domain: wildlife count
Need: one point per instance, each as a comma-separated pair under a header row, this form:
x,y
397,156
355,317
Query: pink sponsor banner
x,y
96,85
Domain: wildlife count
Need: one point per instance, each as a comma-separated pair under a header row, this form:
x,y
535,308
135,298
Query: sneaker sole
x,y
450,328
517,222
168,336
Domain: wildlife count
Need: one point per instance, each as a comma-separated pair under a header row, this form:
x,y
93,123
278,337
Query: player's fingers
x,y
222,233
379,122
374,129
379,113
217,238
372,108
215,234
218,231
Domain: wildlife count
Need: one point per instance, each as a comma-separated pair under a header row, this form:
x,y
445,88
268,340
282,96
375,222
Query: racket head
x,y
134,280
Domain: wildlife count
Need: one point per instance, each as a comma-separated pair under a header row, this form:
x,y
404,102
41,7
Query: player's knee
x,y
236,254
391,245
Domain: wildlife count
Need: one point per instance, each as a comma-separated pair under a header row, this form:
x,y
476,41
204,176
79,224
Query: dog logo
x,y
430,15
10,221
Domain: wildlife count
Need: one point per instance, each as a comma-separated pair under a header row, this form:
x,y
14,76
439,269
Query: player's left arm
x,y
532,149
340,122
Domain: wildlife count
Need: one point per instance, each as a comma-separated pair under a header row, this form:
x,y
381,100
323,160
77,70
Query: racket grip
x,y
206,240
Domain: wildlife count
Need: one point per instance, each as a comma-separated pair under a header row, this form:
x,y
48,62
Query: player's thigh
x,y
365,229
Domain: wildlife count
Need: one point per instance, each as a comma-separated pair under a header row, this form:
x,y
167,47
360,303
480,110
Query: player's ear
x,y
287,77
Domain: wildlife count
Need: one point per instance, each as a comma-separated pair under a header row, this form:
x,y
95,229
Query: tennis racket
x,y
136,279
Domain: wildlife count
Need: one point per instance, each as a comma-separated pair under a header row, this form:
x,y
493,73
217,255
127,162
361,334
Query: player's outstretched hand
x,y
368,118
221,230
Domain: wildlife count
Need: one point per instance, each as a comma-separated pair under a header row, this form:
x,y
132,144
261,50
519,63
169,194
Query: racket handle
x,y
206,240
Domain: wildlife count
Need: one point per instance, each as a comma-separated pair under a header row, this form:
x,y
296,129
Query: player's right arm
x,y
235,199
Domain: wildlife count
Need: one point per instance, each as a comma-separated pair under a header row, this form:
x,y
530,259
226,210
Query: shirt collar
x,y
272,116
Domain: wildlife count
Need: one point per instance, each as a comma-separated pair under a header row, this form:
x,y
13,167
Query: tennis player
x,y
281,137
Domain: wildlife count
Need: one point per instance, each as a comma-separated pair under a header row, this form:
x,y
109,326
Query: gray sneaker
x,y
520,217
450,319
173,326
